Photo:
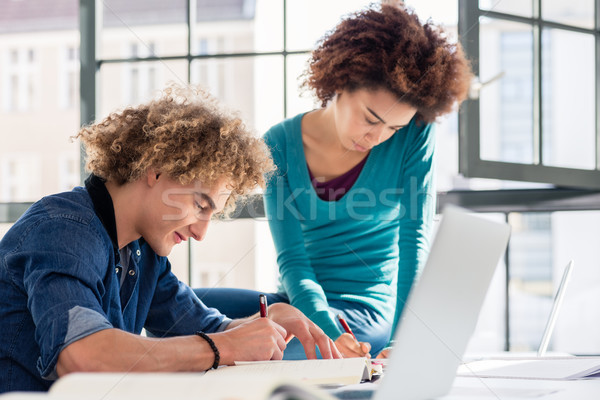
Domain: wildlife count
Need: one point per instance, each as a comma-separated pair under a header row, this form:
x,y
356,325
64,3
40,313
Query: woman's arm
x,y
418,202
297,275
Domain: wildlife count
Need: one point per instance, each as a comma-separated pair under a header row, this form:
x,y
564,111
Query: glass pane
x,y
143,29
531,278
575,12
251,85
299,100
574,237
541,246
489,335
39,99
441,12
517,7
446,162
308,20
249,261
4,227
506,103
268,92
236,27
123,84
568,99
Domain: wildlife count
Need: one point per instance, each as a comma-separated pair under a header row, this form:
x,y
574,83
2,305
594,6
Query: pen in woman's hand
x,y
345,326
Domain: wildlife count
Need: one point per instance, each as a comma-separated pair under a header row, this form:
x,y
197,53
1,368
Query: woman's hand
x,y
349,347
385,353
309,334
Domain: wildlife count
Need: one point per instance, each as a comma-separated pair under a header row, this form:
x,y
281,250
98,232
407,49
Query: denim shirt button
x,y
117,270
132,272
138,252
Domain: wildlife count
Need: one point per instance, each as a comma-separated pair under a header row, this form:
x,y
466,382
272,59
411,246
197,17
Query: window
x,y
69,77
39,97
212,73
20,86
68,171
19,177
140,79
533,113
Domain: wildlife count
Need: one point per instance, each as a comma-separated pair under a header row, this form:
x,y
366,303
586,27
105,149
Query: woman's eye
x,y
371,122
199,207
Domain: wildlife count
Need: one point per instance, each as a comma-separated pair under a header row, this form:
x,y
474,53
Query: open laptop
x,y
441,312
556,304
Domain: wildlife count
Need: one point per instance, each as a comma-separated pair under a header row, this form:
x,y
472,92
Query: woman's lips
x,y
358,147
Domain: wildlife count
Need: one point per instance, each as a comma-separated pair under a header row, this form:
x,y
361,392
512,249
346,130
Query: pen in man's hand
x,y
262,299
345,326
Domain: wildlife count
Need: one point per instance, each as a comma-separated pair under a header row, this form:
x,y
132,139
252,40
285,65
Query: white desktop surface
x,y
464,388
513,389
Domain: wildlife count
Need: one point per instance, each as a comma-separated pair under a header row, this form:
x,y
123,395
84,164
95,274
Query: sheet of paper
x,y
318,372
177,385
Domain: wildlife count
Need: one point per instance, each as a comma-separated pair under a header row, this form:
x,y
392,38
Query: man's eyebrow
x,y
381,119
208,199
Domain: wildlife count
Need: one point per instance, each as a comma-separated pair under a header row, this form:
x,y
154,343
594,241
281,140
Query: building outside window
x,y
20,80
69,77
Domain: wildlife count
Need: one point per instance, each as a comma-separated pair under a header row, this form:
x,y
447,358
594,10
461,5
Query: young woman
x,y
350,206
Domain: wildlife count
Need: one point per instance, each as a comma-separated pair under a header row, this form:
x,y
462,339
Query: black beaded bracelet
x,y
213,347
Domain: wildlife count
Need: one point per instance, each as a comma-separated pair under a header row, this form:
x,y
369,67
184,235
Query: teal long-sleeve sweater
x,y
366,247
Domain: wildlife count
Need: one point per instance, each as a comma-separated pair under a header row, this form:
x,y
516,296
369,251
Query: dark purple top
x,y
336,188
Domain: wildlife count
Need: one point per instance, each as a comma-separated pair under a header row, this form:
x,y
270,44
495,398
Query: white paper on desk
x,y
176,385
559,368
345,371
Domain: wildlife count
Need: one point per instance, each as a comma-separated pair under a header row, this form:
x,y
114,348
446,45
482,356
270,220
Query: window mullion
x,y
90,21
538,156
597,42
285,55
191,22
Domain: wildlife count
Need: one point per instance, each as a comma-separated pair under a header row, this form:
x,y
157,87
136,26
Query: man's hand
x,y
309,334
349,347
252,340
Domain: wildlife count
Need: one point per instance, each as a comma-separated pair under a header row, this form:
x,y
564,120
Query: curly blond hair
x,y
183,133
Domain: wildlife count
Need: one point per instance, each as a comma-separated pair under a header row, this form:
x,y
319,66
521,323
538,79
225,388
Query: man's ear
x,y
152,177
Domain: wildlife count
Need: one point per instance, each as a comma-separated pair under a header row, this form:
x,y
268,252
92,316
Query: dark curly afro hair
x,y
386,47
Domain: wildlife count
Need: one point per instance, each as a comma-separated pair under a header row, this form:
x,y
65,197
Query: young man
x,y
82,272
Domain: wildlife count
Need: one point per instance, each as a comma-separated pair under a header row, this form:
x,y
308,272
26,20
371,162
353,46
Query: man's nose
x,y
198,229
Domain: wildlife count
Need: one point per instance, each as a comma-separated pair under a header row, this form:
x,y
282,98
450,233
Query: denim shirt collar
x,y
103,206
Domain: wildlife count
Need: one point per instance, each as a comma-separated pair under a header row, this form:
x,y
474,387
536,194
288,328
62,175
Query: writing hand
x,y
255,340
351,348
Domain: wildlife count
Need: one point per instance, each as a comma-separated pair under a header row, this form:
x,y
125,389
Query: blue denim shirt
x,y
60,275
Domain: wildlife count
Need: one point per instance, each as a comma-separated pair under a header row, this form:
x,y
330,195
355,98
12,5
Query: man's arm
x,y
117,350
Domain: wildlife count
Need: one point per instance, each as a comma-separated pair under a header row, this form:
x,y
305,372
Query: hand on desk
x,y
349,347
304,329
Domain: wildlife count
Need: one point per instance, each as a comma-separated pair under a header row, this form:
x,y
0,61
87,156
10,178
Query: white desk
x,y
508,389
464,389
513,389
